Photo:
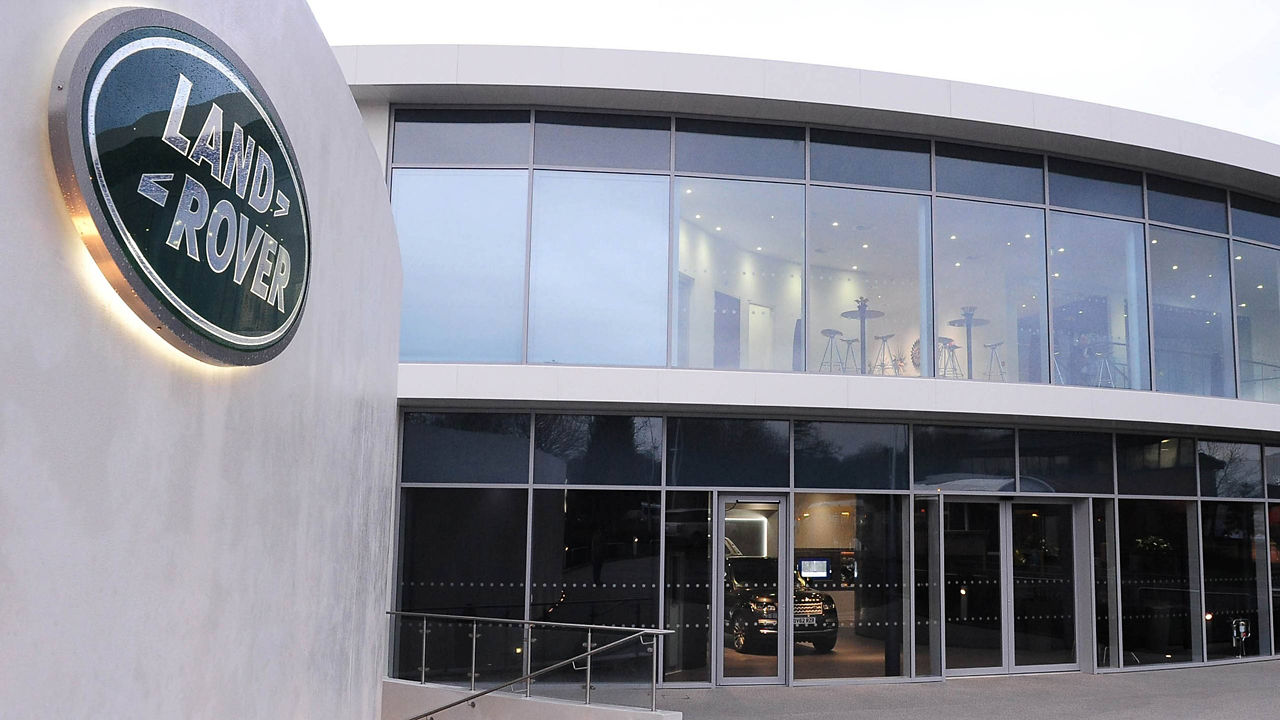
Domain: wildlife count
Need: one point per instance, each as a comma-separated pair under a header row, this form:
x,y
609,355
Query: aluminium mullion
x,y
527,661
661,594
528,248
673,247
804,276
931,358
1151,288
1235,316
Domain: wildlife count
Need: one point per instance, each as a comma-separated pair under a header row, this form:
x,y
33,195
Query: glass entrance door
x,y
753,614
1010,589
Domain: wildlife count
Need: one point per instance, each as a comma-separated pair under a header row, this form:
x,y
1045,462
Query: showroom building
x,y
987,377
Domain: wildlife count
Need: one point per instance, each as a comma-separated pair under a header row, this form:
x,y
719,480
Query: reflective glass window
x,y
604,141
739,453
595,558
1097,188
1064,462
726,148
1273,552
598,279
1191,313
1255,219
465,448
1257,281
1153,465
461,137
989,292
850,554
986,172
462,250
859,159
1235,577
850,455
1098,293
867,256
739,270
928,577
687,652
1178,202
597,450
1105,583
1271,472
1230,469
1159,582
960,459
487,580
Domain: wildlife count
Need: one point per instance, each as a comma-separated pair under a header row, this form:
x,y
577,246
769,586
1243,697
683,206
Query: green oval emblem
x,y
166,141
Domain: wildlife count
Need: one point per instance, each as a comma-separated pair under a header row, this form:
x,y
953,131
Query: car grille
x,y
808,607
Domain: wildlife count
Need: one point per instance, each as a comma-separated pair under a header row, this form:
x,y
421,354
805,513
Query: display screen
x,y
819,568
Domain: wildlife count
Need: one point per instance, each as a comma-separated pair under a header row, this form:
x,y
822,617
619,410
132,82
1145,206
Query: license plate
x,y
806,620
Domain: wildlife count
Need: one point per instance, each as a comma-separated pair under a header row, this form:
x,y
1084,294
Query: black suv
x,y
751,606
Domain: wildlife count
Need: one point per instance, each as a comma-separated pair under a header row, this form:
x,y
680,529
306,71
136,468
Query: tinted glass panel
x,y
1095,187
1273,551
849,556
1105,585
1255,219
608,141
1148,465
1098,287
960,459
687,653
1159,582
1234,579
867,253
1183,203
1044,597
1230,470
740,453
462,249
989,290
1191,312
465,448
868,159
598,284
1070,462
850,455
709,146
597,450
984,172
973,599
739,267
928,576
595,558
462,137
1257,281
1271,469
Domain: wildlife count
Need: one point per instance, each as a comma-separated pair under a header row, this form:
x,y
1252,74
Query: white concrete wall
x,y
179,540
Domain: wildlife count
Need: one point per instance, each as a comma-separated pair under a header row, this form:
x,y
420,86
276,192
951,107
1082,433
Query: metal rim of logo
x,y
78,79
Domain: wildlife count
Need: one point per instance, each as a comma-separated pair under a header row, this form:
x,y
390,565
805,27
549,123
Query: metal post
x,y
422,666
528,659
473,655
653,675
588,668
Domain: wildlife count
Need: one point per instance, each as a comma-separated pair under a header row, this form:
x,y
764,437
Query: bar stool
x,y
831,353
884,358
994,362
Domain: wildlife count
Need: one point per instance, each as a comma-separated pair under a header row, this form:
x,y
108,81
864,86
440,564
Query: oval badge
x,y
182,183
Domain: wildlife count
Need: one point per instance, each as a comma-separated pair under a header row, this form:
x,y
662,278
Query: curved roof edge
x,y
770,90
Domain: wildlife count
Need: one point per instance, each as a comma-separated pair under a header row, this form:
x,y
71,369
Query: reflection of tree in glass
x,y
1235,469
602,449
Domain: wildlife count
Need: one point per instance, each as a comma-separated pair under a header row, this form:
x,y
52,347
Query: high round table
x,y
862,313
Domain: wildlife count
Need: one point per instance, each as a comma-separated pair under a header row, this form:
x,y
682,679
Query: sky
x,y
1214,62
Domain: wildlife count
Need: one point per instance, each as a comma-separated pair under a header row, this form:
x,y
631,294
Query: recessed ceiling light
x,y
1057,274
1239,257
1027,236
1259,287
957,264
1062,249
1193,297
697,217
688,191
855,267
717,228
1244,304
835,224
1175,267
953,237
759,248
865,246
1153,242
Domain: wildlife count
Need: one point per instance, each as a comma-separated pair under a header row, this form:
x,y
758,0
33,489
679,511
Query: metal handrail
x,y
635,633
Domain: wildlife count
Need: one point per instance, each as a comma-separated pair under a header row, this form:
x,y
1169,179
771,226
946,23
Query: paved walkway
x,y
1232,692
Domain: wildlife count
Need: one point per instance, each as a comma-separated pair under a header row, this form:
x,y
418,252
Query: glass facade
x,y
607,239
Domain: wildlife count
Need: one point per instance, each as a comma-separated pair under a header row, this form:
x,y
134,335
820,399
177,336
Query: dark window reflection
x,y
608,141
1158,594
1098,188
595,557
963,459
859,159
712,146
1271,470
1233,540
740,453
1273,553
1191,313
850,455
597,450
985,172
688,587
851,550
1178,202
1255,219
974,606
1230,470
465,448
927,529
1105,574
461,137
1044,597
1147,465
1067,462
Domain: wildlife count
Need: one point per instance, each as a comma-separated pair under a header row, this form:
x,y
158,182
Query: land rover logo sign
x,y
183,184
